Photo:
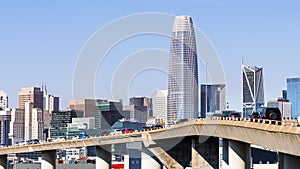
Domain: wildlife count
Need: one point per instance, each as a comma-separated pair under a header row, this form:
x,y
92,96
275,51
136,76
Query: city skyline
x,y
50,43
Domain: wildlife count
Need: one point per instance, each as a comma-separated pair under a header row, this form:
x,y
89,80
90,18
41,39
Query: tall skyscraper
x,y
293,95
160,104
253,89
183,71
213,99
33,95
3,100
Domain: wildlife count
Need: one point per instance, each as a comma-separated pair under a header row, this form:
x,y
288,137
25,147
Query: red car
x,y
124,131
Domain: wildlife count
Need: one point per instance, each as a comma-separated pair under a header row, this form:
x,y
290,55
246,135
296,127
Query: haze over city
x,y
40,42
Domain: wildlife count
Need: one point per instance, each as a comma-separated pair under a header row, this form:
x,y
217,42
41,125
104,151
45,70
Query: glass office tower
x,y
183,72
213,99
293,95
253,89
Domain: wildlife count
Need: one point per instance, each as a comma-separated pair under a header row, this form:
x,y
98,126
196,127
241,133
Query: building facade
x,y
60,121
252,89
107,112
293,95
17,125
87,106
183,72
141,109
3,100
51,103
160,104
5,117
213,99
33,122
33,95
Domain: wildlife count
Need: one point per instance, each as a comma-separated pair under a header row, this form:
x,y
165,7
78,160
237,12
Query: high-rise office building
x,y
3,100
107,113
33,95
87,106
253,89
17,125
293,95
60,121
5,117
160,105
213,99
51,103
33,122
183,71
141,109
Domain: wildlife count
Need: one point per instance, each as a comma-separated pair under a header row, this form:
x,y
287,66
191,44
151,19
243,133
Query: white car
x,y
22,143
116,132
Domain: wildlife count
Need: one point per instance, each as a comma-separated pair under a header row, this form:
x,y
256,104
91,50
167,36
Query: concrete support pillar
x,y
103,157
172,153
287,161
182,151
3,161
165,158
239,155
149,160
48,159
126,161
135,161
205,152
280,161
225,151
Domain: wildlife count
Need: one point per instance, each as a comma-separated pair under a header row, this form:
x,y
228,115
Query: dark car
x,y
255,115
146,127
156,126
230,113
235,114
34,141
270,113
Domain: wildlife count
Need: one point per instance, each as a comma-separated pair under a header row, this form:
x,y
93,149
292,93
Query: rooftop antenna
x,y
242,60
45,89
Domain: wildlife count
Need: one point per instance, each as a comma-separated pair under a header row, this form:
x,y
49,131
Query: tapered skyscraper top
x,y
183,23
183,71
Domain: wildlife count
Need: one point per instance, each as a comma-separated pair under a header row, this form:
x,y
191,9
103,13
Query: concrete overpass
x,y
194,140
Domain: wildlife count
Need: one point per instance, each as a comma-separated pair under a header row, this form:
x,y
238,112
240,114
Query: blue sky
x,y
41,40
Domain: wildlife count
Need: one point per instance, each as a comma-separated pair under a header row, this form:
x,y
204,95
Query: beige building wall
x,y
16,132
37,126
34,126
33,95
160,104
85,105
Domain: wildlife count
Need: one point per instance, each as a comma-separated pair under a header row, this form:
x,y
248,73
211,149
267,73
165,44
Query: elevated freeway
x,y
281,136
